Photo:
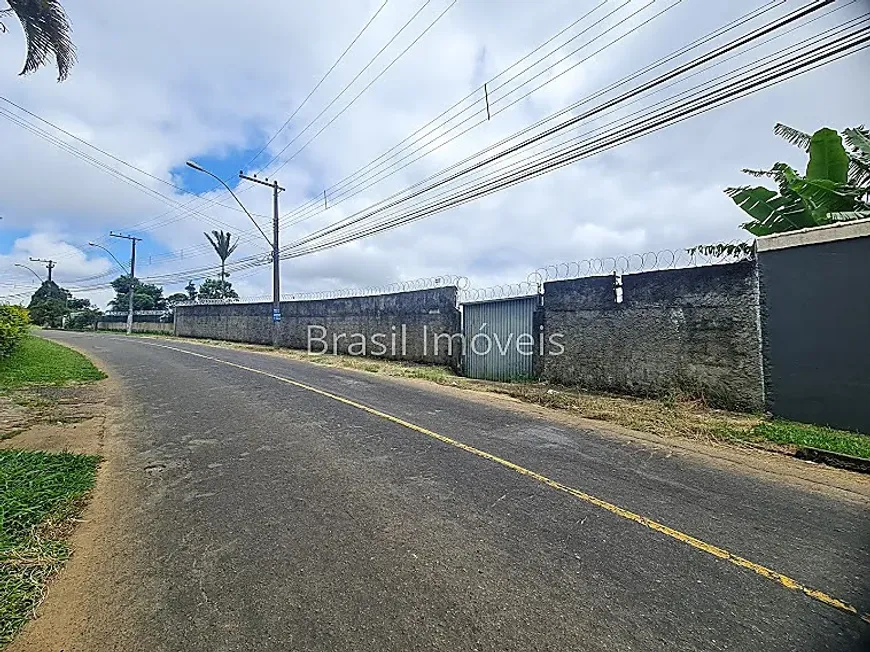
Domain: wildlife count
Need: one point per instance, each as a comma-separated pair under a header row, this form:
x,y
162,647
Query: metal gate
x,y
500,338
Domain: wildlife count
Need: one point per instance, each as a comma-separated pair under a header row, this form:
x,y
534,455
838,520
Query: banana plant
x,y
834,188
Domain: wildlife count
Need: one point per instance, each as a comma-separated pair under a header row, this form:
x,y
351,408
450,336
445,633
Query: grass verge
x,y
38,361
40,496
805,435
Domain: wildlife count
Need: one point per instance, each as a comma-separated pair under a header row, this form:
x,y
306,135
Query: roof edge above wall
x,y
815,235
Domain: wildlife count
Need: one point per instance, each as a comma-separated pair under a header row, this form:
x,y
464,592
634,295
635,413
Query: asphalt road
x,y
271,516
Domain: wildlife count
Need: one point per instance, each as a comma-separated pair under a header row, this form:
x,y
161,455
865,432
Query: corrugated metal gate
x,y
492,329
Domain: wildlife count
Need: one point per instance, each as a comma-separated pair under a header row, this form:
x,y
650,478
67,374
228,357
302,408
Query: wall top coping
x,y
815,235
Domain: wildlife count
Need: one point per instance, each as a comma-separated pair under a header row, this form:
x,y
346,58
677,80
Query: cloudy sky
x,y
214,81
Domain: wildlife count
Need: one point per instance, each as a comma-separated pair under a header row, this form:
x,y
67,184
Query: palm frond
x,y
794,136
220,241
858,140
47,32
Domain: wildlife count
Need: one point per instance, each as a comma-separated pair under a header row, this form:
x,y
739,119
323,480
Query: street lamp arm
x,y
120,264
199,168
29,270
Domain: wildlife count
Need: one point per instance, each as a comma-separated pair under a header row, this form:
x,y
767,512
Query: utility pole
x,y
133,240
273,243
276,262
49,265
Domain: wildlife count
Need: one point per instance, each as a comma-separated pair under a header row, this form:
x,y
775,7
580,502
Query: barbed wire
x,y
124,313
729,252
717,254
502,291
428,283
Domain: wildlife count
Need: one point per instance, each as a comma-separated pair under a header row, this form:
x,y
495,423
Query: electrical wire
x,y
619,135
565,158
679,70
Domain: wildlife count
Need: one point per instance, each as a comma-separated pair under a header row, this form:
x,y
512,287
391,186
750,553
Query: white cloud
x,y
209,78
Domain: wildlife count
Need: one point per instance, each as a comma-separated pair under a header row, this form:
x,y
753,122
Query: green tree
x,y
84,318
49,305
190,288
835,187
145,295
211,289
223,246
47,32
178,297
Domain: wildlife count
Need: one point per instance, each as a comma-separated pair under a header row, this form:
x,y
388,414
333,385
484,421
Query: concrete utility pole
x,y
276,261
133,240
273,243
49,265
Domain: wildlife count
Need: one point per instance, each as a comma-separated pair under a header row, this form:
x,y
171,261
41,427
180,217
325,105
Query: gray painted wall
x,y
816,323
138,327
423,311
694,329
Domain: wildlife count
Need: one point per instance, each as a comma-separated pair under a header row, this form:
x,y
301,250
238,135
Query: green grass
x,y
802,434
40,495
38,361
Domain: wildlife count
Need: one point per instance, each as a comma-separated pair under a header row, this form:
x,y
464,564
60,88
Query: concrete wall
x,y
695,330
138,327
816,324
433,310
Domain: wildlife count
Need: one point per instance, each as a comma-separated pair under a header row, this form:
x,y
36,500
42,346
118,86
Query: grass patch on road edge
x,y
40,496
38,361
791,433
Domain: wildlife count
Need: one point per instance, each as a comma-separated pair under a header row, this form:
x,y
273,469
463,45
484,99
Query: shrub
x,y
14,322
82,319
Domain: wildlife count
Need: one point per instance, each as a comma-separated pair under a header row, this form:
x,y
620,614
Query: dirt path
x,y
87,420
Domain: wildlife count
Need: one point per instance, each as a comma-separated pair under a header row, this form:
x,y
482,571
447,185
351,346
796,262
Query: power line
x,y
811,59
516,177
110,155
355,189
244,237
679,70
365,88
350,83
322,79
41,133
621,135
359,187
340,93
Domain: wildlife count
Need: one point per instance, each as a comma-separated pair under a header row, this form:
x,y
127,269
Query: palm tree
x,y
222,245
47,31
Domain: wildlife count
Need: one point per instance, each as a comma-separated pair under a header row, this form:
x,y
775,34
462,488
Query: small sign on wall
x,y
276,315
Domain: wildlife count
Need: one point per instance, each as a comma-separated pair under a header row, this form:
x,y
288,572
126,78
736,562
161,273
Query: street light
x,y
199,168
120,264
29,270
273,243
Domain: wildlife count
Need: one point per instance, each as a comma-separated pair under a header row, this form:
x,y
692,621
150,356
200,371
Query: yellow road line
x,y
698,544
